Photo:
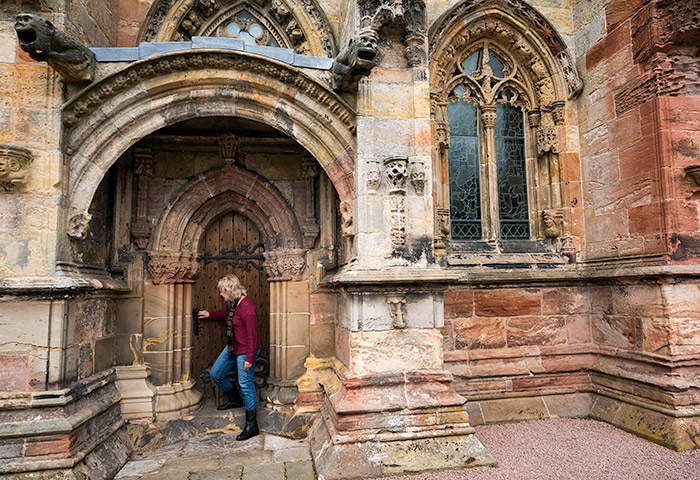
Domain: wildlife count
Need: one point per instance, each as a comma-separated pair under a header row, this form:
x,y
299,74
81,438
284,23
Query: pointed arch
x,y
297,24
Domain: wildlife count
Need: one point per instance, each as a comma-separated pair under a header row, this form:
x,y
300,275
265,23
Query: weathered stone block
x,y
475,332
507,302
15,377
514,409
535,331
395,350
614,330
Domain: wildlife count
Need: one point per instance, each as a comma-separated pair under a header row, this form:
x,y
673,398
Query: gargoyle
x,y
45,43
354,62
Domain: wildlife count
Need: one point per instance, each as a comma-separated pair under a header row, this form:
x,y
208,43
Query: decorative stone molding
x,y
228,146
137,393
533,118
309,168
397,310
14,165
407,14
45,43
488,116
99,93
173,267
553,221
396,173
285,264
289,22
418,178
354,62
451,34
398,225
78,222
443,221
547,140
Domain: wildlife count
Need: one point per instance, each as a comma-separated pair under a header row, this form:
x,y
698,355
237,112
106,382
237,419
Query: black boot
x,y
251,426
234,400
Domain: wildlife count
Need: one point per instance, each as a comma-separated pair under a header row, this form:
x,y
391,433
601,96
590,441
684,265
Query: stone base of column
x,y
138,395
174,401
392,424
281,413
74,433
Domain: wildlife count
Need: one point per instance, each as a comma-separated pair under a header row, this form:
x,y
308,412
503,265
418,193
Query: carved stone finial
x,y
396,173
553,223
14,163
547,140
228,146
354,62
78,224
397,311
45,43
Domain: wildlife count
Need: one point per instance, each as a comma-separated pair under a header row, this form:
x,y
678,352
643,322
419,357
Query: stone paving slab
x,y
217,456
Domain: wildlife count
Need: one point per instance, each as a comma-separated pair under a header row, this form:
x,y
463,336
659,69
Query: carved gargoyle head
x,y
34,34
363,51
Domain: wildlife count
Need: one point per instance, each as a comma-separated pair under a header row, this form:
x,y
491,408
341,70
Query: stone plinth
x,y
394,423
138,395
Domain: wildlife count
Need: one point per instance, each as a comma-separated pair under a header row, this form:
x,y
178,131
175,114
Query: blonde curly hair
x,y
232,286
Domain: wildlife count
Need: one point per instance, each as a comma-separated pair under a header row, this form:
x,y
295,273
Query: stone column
x,y
289,325
488,172
167,339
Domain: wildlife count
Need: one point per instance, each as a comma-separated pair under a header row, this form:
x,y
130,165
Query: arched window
x,y
486,99
499,77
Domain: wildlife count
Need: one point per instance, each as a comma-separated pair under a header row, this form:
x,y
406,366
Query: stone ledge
x,y
151,49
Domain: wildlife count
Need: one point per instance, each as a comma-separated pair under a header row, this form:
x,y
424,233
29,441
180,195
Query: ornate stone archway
x,y
110,115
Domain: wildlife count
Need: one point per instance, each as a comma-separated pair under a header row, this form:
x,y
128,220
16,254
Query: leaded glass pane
x,y
510,157
471,64
463,160
496,66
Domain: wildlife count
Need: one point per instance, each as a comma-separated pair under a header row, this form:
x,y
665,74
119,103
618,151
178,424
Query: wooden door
x,y
232,244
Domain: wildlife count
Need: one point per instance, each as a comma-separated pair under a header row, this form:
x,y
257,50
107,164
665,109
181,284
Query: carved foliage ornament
x,y
285,264
173,267
45,43
547,140
228,146
14,166
396,173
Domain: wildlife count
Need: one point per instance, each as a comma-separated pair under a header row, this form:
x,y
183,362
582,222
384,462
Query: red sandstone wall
x,y
640,117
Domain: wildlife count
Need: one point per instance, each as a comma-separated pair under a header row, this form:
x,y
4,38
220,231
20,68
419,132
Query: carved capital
x,y
418,178
45,43
14,166
488,115
533,118
78,222
557,108
442,136
553,221
547,140
285,264
396,173
173,267
397,310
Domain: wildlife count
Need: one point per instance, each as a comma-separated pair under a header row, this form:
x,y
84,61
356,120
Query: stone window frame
x,y
546,78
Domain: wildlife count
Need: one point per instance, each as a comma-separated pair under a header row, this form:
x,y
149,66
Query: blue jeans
x,y
224,364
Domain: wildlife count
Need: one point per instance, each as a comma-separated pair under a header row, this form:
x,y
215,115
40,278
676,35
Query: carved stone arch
x,y
517,28
297,24
182,224
109,116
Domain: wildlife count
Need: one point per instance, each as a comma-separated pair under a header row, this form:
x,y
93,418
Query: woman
x,y
241,351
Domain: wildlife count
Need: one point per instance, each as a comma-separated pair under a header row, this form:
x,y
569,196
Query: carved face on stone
x,y
552,223
364,51
34,33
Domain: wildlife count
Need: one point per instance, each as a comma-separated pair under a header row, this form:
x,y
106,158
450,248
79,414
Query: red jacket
x,y
245,328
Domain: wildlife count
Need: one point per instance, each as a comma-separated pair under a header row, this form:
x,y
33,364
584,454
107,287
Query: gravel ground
x,y
566,449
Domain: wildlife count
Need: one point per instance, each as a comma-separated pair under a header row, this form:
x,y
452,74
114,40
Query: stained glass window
x,y
512,187
249,29
463,160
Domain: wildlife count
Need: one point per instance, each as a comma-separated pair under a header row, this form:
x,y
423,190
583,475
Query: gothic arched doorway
x,y
231,244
